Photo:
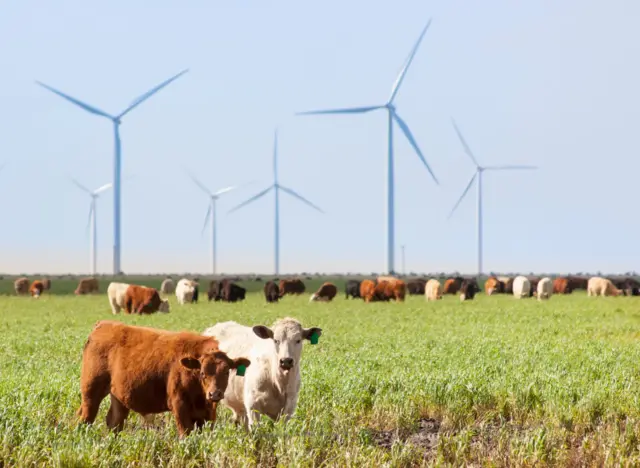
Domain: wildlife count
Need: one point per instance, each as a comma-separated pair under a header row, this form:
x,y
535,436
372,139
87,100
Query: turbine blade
x,y
87,107
503,168
136,102
225,190
403,72
80,186
206,218
199,184
405,129
463,194
252,199
103,188
466,147
350,110
299,197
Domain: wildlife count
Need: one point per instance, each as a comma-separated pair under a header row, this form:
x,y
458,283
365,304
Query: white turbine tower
x,y
92,221
392,116
211,215
478,173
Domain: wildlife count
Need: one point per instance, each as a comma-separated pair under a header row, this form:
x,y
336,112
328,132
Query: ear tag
x,y
240,370
314,338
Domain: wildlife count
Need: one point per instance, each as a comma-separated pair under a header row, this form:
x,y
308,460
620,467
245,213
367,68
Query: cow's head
x,y
287,335
164,306
214,371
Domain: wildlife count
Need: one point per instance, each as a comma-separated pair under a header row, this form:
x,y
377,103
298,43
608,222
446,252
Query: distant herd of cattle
x,y
142,299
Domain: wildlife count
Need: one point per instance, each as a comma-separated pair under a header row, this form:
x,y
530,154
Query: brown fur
x,y
21,286
153,371
141,300
326,293
46,282
367,290
493,286
36,288
291,286
452,286
271,291
87,286
561,286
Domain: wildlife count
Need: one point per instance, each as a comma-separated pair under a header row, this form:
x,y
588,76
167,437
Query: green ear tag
x,y
314,338
240,370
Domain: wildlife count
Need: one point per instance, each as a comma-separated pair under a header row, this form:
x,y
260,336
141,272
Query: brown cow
x,y
578,282
21,286
452,285
326,293
388,279
87,286
46,282
493,286
153,371
292,286
36,288
144,300
367,290
271,291
416,286
561,286
387,290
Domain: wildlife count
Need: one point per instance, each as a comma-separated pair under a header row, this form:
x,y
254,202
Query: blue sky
x,y
548,83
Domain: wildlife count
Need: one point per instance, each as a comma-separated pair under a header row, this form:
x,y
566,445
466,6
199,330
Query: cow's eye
x,y
276,341
298,341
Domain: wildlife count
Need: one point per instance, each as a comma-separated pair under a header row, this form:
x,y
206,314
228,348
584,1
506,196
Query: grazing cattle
x,y
453,285
36,288
368,290
185,290
168,286
352,288
521,287
46,282
561,286
21,286
416,287
433,290
493,286
144,300
533,285
628,286
469,289
116,292
215,289
271,385
544,288
196,293
291,286
326,293
578,282
271,291
597,286
507,281
387,290
87,286
153,371
233,293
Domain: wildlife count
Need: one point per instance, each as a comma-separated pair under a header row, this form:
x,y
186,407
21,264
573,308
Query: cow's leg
x,y
116,415
93,391
253,417
184,421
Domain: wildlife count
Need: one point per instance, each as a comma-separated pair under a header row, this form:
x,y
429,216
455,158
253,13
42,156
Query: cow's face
x,y
214,369
164,306
287,336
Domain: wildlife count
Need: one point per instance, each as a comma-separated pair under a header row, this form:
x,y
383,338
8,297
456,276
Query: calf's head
x,y
287,335
214,371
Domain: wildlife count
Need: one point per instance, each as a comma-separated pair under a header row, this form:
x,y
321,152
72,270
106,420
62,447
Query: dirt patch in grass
x,y
425,437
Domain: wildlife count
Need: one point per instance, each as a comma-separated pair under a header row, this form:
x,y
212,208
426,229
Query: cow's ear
x,y
190,363
263,332
307,333
240,362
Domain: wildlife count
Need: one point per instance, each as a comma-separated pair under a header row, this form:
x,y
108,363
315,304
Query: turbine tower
x,y
478,173
117,166
92,221
211,215
392,116
276,187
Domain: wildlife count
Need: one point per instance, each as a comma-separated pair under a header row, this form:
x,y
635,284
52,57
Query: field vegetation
x,y
492,382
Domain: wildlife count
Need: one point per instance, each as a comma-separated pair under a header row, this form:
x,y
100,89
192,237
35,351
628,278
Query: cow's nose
x,y
215,396
286,363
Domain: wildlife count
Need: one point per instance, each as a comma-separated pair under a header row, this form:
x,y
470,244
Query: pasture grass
x,y
500,382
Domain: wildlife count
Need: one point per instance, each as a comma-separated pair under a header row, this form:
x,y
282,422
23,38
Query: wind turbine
x,y
276,187
117,166
211,214
92,220
478,173
392,116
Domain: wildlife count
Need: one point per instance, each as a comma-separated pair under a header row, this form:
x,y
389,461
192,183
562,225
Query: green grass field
x,y
494,382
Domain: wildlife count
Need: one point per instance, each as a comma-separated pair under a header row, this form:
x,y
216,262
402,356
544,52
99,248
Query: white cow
x,y
116,293
545,288
521,287
185,290
272,382
168,286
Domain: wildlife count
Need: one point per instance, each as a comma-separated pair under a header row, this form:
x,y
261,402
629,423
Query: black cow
x,y
352,288
271,291
194,298
469,289
231,292
628,286
215,289
416,287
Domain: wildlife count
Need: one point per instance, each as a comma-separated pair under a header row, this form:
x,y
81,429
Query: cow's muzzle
x,y
215,396
286,363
